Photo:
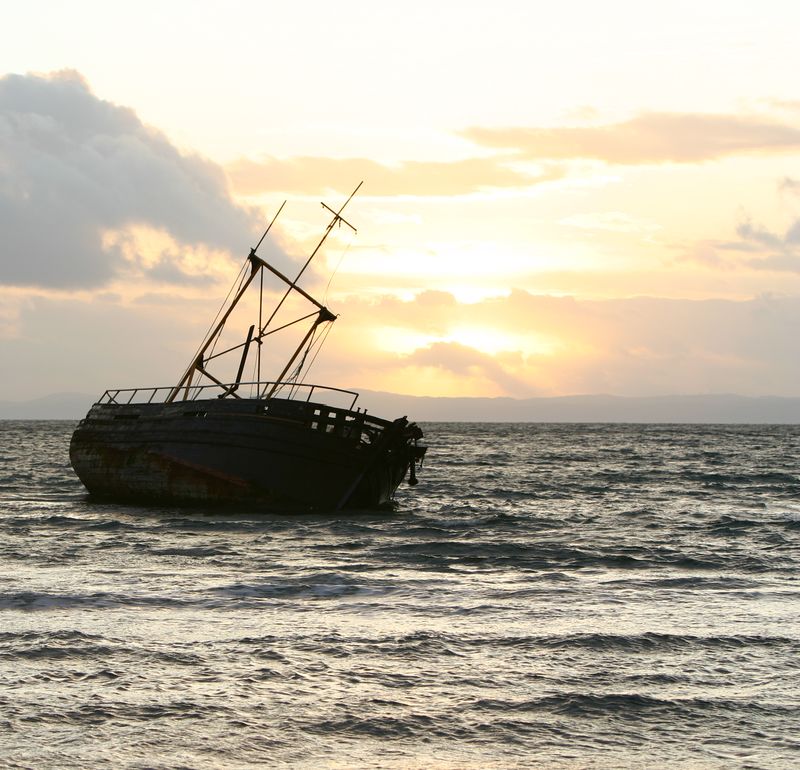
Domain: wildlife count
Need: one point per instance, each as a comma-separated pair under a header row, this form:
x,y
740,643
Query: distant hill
x,y
595,408
58,406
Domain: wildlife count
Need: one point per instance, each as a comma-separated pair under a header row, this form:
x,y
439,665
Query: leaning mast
x,y
257,265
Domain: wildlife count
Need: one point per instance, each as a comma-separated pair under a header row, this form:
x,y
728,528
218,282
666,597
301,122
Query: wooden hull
x,y
273,455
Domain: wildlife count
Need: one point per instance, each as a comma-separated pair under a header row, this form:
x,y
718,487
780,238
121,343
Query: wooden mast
x,y
324,313
197,365
256,268
293,284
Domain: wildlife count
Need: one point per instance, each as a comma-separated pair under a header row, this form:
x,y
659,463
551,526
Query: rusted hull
x,y
274,456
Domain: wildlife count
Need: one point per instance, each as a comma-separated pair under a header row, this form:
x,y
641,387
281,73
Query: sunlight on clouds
x,y
427,380
472,294
647,138
137,244
155,253
493,342
484,339
400,341
505,246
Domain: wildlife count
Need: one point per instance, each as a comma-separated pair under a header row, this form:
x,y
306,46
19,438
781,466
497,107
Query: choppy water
x,y
548,596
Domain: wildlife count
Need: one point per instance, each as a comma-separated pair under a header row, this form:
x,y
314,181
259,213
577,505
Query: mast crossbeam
x,y
257,266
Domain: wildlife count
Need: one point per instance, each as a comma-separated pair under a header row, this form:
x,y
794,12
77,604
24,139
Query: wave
x,y
32,601
655,642
98,713
437,554
63,645
323,585
624,705
427,645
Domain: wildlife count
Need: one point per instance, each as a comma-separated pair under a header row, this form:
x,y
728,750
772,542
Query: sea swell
x,y
556,596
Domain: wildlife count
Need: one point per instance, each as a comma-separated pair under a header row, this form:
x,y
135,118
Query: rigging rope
x,y
256,366
318,342
240,278
296,373
338,264
319,347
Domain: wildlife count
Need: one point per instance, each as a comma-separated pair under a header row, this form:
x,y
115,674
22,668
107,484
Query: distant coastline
x,y
713,408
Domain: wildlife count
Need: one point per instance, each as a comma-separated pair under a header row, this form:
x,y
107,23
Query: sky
x,y
558,198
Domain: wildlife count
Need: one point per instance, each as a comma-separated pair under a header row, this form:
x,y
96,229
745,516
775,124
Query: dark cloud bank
x,y
73,166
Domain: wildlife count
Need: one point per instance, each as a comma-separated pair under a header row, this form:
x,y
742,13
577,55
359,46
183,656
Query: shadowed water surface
x,y
559,596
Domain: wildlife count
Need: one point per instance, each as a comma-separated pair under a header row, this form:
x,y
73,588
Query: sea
x,y
548,596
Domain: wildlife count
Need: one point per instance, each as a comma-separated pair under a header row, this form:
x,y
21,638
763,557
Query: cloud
x,y
74,168
768,250
531,155
655,137
757,247
316,175
758,235
640,346
637,346
464,361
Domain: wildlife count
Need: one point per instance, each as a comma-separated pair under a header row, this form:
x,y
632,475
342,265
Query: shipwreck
x,y
280,444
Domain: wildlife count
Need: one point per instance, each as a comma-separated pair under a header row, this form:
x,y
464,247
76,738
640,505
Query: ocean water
x,y
554,596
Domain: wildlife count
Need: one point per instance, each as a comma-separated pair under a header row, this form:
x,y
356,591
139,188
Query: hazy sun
x,y
484,339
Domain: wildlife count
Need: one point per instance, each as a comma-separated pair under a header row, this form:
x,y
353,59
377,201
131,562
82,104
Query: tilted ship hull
x,y
276,454
201,441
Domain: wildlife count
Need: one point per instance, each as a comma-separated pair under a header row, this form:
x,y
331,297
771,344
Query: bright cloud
x,y
117,243
648,138
417,178
539,345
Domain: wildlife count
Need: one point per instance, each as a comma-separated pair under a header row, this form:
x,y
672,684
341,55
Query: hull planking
x,y
275,454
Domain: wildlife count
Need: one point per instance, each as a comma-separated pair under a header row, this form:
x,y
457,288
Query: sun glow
x,y
483,339
493,341
446,260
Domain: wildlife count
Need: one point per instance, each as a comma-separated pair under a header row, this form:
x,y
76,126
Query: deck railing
x,y
287,390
